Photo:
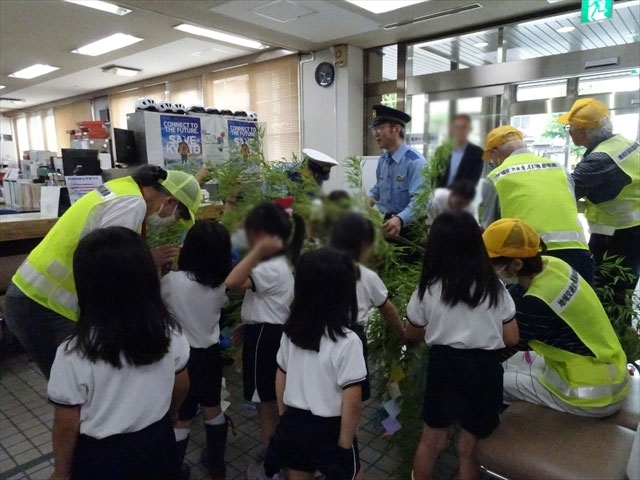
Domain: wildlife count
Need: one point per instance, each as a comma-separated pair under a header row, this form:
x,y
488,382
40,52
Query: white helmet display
x,y
164,107
253,116
146,104
179,108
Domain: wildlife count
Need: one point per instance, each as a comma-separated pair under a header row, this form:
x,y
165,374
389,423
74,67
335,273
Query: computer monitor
x,y
76,161
125,146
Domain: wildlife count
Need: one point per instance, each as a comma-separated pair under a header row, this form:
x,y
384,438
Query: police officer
x,y
319,164
537,191
41,306
608,177
399,170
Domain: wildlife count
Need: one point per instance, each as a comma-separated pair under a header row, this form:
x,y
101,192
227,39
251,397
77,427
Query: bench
x,y
535,442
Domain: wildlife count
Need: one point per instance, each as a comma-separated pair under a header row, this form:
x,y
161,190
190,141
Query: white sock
x,y
219,420
181,434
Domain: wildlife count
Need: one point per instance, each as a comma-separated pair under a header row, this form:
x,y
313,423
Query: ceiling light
x,y
433,16
33,71
565,29
107,44
377,6
12,100
99,5
1,87
121,71
481,44
222,36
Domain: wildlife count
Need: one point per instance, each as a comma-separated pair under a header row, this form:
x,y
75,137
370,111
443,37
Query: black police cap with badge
x,y
383,114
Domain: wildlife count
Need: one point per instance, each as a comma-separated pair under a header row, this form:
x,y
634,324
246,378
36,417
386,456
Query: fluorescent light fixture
x,y
103,6
107,44
381,6
221,36
481,44
1,87
121,71
33,71
565,29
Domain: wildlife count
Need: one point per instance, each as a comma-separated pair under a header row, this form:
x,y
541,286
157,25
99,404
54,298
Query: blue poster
x,y
181,141
242,133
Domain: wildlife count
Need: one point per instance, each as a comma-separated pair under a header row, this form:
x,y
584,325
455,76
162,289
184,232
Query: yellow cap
x,y
585,113
511,238
184,187
499,136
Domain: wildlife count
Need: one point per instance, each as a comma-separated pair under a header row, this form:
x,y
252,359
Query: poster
x,y
242,135
181,141
215,140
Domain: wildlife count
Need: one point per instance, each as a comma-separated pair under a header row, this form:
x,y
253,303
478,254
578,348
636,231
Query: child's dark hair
x,y
352,234
464,188
456,256
121,312
272,219
325,298
151,176
339,196
206,253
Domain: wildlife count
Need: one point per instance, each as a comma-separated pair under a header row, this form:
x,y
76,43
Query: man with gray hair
x,y
537,191
608,177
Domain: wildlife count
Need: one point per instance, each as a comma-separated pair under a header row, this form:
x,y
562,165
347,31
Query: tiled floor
x,y
25,436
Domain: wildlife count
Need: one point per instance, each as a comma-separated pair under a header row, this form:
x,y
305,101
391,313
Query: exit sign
x,y
596,10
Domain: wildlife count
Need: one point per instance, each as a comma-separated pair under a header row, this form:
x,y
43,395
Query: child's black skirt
x,y
463,387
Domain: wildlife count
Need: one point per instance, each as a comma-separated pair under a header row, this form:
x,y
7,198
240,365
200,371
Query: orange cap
x,y
499,136
585,113
511,238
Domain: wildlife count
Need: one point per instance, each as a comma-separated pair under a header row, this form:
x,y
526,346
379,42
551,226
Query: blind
x,y
120,104
187,92
66,118
271,90
36,131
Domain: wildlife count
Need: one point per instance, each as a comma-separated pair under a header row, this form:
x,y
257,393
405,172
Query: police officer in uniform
x,y
608,177
319,164
537,191
399,170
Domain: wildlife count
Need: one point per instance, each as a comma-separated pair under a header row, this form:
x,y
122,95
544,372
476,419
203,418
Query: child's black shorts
x,y
205,380
463,387
259,351
308,443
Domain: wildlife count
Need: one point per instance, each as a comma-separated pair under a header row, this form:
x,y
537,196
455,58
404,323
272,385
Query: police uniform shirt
x,y
196,307
113,400
461,326
371,292
316,380
272,293
398,179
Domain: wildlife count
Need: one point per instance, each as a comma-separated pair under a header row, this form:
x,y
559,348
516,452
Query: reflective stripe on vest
x,y
49,288
580,380
624,210
537,191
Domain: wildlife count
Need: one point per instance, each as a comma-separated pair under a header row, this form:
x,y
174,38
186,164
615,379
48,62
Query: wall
x,y
332,118
8,149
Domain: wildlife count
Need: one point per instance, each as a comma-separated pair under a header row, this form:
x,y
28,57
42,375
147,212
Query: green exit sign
x,y
596,10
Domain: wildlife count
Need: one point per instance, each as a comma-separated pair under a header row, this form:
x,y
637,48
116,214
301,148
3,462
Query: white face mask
x,y
155,220
504,276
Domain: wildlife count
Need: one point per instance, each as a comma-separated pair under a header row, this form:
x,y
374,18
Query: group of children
x,y
146,353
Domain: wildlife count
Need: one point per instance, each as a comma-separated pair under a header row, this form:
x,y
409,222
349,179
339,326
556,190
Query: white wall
x,y
332,118
8,149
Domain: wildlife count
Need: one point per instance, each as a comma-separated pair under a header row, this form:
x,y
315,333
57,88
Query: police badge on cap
x,y
383,114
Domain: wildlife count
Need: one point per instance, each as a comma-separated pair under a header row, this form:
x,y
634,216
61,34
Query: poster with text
x,y
214,139
242,134
181,142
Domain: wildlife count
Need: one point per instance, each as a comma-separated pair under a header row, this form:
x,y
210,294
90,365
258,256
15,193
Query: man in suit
x,y
465,161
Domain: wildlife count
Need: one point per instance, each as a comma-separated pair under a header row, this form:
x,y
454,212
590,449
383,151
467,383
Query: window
x,y
187,92
382,64
617,82
230,92
67,118
22,135
36,131
542,90
120,104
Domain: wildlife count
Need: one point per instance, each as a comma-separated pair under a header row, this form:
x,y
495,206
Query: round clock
x,y
325,74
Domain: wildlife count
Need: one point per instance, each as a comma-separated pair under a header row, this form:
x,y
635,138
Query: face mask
x,y
155,220
504,276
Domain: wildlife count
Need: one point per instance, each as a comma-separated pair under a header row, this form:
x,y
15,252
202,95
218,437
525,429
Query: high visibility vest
x,y
536,190
624,210
46,276
582,381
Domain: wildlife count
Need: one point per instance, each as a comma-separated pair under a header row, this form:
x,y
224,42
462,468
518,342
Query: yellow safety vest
x,y
624,210
536,190
579,380
46,276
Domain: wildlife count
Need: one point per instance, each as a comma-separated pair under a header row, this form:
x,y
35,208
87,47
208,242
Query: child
x,y
112,381
458,197
354,235
195,296
320,369
265,276
468,315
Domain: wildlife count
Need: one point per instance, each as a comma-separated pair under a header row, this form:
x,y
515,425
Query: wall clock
x,y
325,74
